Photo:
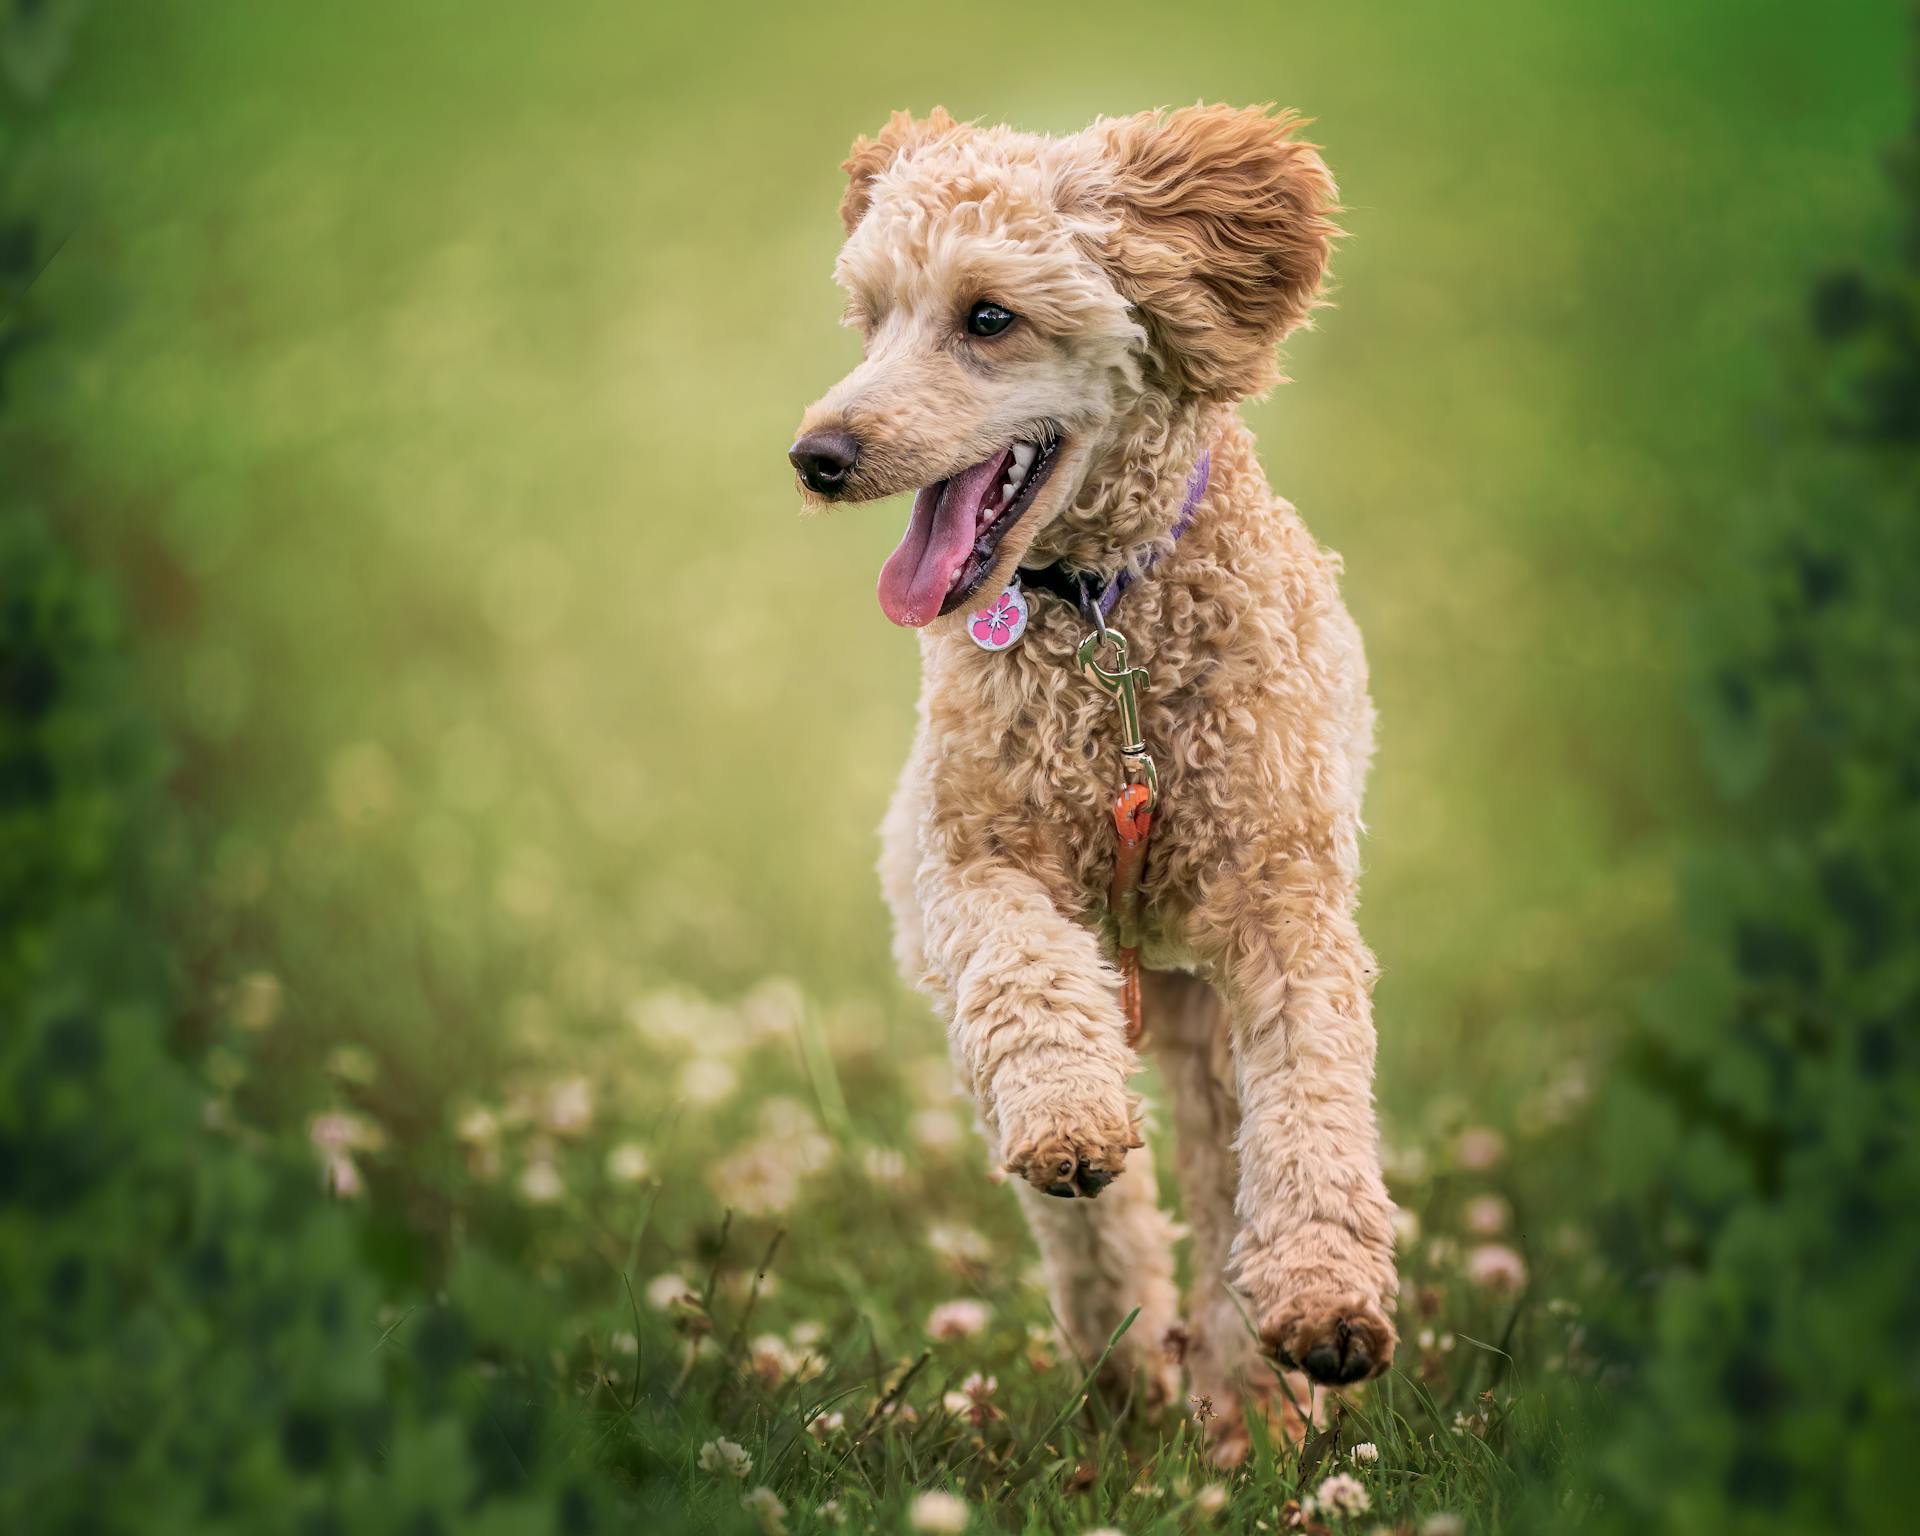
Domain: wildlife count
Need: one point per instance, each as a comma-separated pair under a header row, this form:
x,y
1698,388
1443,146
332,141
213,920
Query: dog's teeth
x,y
1023,454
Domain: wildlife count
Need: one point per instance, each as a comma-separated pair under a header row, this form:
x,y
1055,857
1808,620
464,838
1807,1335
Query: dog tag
x,y
1002,622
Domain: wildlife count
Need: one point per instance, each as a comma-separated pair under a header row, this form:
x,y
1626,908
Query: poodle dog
x,y
1057,331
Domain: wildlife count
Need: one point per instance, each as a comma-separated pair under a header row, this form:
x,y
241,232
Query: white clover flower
x,y
822,1425
959,1244
1487,1215
767,1511
628,1163
478,1126
568,1110
1406,1227
937,1130
1366,1453
663,1291
1443,1524
341,1130
540,1182
340,1176
938,1514
1479,1148
1496,1267
1211,1499
706,1081
957,1319
761,1179
884,1165
1342,1495
726,1458
773,1010
974,1400
769,1358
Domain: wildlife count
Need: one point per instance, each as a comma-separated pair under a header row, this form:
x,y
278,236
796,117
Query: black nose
x,y
824,460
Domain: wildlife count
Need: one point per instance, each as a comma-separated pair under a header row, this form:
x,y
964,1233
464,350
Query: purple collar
x,y
1079,587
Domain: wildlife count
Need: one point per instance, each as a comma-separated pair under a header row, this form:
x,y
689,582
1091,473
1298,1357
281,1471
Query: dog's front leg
x,y
1035,1023
1314,1250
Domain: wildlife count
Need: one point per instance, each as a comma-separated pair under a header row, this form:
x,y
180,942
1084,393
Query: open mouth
x,y
957,528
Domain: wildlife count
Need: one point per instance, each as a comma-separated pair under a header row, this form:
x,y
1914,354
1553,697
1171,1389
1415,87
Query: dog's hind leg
x,y
1103,1258
1228,1375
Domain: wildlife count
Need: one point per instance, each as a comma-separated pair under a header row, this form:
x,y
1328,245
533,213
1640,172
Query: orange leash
x,y
1133,820
1133,807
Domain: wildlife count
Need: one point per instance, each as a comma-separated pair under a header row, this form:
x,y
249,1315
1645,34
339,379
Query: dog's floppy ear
x,y
1223,227
870,156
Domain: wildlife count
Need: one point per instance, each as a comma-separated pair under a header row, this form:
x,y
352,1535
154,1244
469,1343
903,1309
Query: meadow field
x,y
478,928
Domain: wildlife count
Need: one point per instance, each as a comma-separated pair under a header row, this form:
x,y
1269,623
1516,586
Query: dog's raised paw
x,y
1336,1343
1068,1171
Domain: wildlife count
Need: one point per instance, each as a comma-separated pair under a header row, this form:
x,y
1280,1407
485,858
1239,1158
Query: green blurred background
x,y
417,381
459,356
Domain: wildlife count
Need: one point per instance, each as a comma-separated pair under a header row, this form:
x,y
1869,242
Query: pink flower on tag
x,y
1001,622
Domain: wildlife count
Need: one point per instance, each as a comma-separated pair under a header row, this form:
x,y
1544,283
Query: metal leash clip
x,y
1124,685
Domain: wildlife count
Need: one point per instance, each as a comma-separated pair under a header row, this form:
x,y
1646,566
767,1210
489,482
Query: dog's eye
x,y
988,319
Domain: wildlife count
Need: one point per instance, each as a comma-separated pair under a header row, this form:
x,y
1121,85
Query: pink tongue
x,y
915,579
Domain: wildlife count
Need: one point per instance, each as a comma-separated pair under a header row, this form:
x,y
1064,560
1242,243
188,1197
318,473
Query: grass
x,y
427,404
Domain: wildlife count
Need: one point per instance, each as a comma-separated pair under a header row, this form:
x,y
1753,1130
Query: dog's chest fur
x,y
1257,695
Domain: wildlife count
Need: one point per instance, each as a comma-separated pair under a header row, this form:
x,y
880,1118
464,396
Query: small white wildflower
x,y
974,1400
957,1319
1211,1499
568,1110
478,1126
1479,1148
833,1510
884,1165
706,1081
340,1176
540,1182
1366,1453
1487,1215
1342,1495
1443,1524
341,1130
769,1358
628,1163
773,1010
940,1514
959,1245
1406,1227
761,1179
767,1511
1497,1267
821,1425
937,1130
726,1458
665,1290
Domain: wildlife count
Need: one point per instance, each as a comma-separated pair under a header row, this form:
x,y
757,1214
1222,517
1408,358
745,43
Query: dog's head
x,y
1019,296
